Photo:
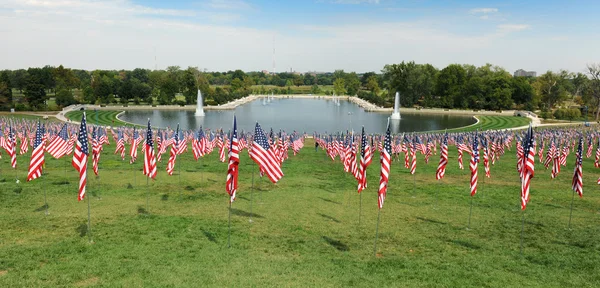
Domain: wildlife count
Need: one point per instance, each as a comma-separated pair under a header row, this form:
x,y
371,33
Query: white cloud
x,y
483,10
507,28
355,1
228,5
117,34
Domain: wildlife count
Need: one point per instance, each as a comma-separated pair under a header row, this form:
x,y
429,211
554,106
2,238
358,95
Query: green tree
x,y
339,86
450,85
189,85
372,85
352,83
552,88
523,93
64,97
35,90
5,91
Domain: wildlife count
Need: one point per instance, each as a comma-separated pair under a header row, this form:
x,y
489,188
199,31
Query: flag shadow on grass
x,y
330,201
243,213
431,221
41,208
329,217
82,229
210,236
336,244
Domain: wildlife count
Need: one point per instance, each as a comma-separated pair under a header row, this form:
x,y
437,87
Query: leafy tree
x,y
5,91
450,85
352,83
298,80
309,79
64,97
552,88
35,93
339,86
372,85
523,93
594,85
189,85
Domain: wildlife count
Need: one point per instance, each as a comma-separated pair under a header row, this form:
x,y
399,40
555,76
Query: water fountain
x,y
396,114
199,105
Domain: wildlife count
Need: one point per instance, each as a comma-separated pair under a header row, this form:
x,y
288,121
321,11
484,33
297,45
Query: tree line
x,y
457,86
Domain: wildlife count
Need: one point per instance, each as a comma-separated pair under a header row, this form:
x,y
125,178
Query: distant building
x,y
523,73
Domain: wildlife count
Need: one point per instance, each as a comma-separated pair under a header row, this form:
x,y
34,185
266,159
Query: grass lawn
x,y
488,122
305,229
108,118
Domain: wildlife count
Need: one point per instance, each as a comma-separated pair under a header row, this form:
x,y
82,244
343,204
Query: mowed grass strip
x,y
489,122
105,118
305,229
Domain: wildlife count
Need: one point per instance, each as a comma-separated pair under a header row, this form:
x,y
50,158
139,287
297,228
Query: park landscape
x,y
410,154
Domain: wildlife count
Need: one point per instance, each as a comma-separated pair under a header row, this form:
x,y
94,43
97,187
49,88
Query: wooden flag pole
x,y
89,232
359,208
376,233
522,229
571,213
229,234
470,211
251,194
98,136
147,193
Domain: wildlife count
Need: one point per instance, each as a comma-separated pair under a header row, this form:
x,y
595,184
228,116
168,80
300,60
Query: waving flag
x,y
149,157
473,164
120,144
264,157
96,147
386,163
441,170
12,147
234,161
37,156
578,173
174,149
527,167
80,157
365,161
135,141
58,144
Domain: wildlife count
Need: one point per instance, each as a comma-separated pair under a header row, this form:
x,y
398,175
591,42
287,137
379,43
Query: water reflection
x,y
301,115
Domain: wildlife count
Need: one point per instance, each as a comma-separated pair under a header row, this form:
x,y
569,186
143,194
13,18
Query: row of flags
x,y
268,152
488,146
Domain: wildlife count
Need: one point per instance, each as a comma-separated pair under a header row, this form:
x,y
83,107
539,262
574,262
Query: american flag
x,y
578,173
550,154
234,161
460,145
527,167
264,156
441,170
24,148
58,145
199,145
12,147
173,155
120,144
486,157
149,157
135,141
413,154
386,162
221,143
597,161
590,147
37,156
96,147
556,162
473,164
80,156
365,161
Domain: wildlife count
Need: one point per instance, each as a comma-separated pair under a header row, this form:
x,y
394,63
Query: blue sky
x,y
313,35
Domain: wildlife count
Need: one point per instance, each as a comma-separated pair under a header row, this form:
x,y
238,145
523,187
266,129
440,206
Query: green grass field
x,y
108,118
305,229
487,122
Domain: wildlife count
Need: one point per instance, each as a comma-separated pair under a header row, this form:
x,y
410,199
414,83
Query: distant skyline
x,y
313,35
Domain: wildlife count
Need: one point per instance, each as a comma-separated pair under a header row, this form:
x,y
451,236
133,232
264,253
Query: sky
x,y
306,35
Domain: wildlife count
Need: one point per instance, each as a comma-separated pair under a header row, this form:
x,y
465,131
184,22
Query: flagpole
x,y
376,234
147,193
98,143
252,193
571,213
522,229
229,234
89,220
359,208
470,211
